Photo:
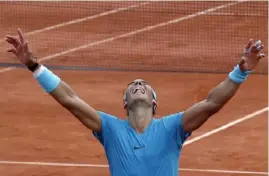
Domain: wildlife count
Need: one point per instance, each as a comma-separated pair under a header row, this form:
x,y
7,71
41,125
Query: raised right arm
x,y
53,85
64,95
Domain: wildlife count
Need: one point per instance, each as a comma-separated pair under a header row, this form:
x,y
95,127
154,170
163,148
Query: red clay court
x,y
182,48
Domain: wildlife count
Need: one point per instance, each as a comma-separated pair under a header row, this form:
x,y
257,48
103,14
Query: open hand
x,y
21,49
252,55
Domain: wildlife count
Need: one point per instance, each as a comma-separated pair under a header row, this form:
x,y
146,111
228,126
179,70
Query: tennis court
x,y
183,49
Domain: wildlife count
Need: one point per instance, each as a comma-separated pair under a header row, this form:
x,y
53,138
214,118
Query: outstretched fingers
x,y
26,48
248,46
21,37
250,42
12,40
12,50
257,47
261,55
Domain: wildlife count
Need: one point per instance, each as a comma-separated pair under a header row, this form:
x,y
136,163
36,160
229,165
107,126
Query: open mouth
x,y
141,90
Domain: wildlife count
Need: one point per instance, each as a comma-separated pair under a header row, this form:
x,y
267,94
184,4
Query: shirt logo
x,y
138,147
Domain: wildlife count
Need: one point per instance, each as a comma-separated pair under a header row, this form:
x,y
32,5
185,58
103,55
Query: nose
x,y
138,83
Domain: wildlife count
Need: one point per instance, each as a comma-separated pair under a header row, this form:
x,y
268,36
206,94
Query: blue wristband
x,y
238,76
46,79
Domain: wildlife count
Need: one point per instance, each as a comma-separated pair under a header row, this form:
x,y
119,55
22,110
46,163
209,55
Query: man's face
x,y
139,91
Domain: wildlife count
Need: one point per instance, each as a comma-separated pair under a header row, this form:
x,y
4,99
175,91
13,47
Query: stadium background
x,y
182,48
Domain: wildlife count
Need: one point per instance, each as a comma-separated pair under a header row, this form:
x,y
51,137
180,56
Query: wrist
x,y
237,75
32,65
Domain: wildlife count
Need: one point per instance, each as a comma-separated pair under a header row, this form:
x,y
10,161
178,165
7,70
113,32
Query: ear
x,y
154,106
124,104
124,100
154,102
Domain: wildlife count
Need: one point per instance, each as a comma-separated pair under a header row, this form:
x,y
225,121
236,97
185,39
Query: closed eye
x,y
133,83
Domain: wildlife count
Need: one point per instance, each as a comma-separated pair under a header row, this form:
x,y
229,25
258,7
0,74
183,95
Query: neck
x,y
140,117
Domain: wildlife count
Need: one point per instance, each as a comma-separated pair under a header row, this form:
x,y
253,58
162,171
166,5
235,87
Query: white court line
x,y
7,69
249,116
106,166
177,20
237,14
64,24
224,171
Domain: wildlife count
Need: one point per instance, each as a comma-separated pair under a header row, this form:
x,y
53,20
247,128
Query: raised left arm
x,y
195,116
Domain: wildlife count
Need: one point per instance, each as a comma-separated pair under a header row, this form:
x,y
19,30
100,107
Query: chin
x,y
140,99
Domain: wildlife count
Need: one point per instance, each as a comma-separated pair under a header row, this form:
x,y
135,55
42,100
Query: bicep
x,y
78,107
197,115
85,114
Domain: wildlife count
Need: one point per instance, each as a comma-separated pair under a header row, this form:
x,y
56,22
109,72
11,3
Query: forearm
x,y
65,96
198,114
222,93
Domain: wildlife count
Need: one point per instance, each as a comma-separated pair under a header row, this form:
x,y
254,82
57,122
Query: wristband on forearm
x,y
238,76
48,80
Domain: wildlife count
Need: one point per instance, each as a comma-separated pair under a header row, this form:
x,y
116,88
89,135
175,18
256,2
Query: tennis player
x,y
141,145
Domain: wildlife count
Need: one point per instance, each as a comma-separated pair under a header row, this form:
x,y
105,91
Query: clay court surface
x,y
182,59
